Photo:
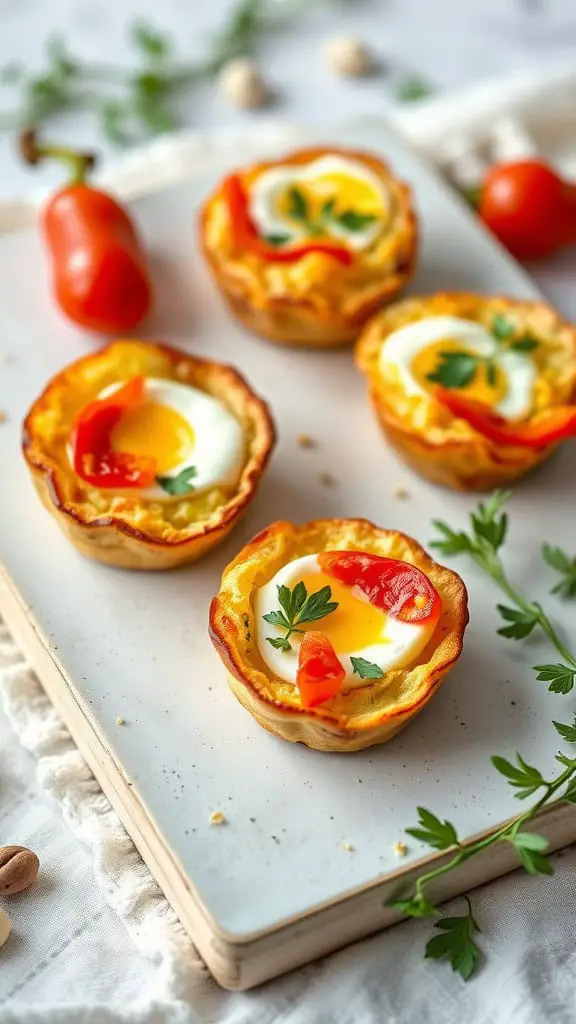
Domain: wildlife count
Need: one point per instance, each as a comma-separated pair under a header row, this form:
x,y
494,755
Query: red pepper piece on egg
x,y
398,588
94,461
320,674
551,427
247,238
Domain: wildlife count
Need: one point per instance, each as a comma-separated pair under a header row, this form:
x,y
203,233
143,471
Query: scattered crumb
x,y
217,818
252,819
327,480
400,849
305,441
401,493
275,838
120,721
348,847
3,416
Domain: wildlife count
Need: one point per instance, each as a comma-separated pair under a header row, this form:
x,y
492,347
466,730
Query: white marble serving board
x,y
135,644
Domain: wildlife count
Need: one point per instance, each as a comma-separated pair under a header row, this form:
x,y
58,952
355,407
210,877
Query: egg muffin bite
x,y
472,391
336,633
145,455
306,248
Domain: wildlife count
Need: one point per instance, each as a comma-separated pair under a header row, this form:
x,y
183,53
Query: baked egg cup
x,y
428,437
119,527
368,714
314,301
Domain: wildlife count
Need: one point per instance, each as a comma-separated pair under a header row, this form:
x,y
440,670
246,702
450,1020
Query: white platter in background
x,y
259,896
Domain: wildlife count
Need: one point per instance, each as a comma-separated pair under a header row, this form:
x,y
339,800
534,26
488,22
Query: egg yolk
x,y
355,623
479,388
155,430
348,193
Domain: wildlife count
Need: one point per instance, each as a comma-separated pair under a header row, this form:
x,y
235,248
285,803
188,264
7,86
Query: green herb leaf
x,y
521,622
557,559
112,121
353,221
180,484
561,677
570,793
530,847
297,607
436,833
450,543
455,369
455,944
327,209
521,776
567,732
150,42
487,524
298,209
412,88
491,372
276,240
501,328
366,669
524,344
417,906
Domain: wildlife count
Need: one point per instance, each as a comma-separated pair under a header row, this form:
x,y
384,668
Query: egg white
x,y
400,645
218,451
399,350
266,189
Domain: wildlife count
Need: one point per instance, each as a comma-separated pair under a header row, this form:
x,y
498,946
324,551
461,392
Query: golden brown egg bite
x,y
471,390
306,247
336,633
145,455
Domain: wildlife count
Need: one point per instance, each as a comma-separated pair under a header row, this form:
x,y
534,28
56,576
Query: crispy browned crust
x,y
336,301
132,532
439,447
364,716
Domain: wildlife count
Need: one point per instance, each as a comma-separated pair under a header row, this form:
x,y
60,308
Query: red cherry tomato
x,y
94,462
529,208
553,426
320,674
398,588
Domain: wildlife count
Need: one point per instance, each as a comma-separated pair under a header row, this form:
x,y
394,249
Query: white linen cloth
x,y
114,951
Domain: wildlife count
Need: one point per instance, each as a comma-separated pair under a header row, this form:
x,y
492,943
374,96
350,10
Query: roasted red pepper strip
x,y
398,588
247,237
94,462
320,674
555,425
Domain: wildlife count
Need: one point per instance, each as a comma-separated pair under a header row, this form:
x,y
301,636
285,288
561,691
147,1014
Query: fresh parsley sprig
x,y
299,211
458,369
456,943
296,607
366,669
488,530
179,484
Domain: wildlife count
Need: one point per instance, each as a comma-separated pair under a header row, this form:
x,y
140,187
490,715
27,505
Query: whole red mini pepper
x,y
100,275
552,426
248,239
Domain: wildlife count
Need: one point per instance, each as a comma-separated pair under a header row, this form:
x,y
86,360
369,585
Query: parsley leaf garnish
x,y
276,240
455,943
501,328
560,677
366,669
567,732
180,484
521,776
298,208
455,369
524,344
436,833
563,564
353,221
298,606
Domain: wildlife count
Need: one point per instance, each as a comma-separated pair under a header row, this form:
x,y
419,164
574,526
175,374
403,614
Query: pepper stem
x,y
33,152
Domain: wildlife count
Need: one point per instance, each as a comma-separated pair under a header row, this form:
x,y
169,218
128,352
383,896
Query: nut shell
x,y
126,530
367,715
18,869
439,447
314,302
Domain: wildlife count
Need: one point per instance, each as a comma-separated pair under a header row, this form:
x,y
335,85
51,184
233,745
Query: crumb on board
x,y
401,493
348,847
400,849
305,441
327,480
3,416
217,818
120,720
